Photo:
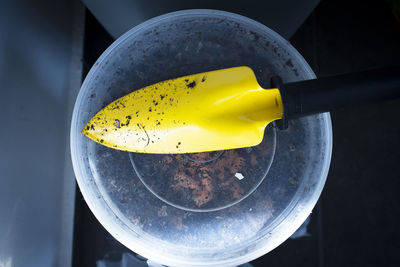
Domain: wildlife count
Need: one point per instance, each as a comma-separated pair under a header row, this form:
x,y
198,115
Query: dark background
x,y
355,222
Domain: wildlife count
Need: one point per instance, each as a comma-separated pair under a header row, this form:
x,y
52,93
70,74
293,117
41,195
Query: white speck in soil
x,y
239,175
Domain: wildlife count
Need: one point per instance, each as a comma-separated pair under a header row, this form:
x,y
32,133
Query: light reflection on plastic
x,y
6,262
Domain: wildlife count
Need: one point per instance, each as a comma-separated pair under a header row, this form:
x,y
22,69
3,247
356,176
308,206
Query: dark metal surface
x,y
40,73
284,16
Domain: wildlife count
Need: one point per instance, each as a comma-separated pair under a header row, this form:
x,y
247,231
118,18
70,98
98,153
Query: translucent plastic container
x,y
213,209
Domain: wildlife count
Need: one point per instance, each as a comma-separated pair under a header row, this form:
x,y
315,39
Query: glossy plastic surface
x,y
135,212
209,111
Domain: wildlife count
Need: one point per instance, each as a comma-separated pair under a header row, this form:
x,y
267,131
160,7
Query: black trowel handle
x,y
324,94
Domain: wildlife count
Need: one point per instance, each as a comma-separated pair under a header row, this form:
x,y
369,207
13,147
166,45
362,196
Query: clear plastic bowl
x,y
137,197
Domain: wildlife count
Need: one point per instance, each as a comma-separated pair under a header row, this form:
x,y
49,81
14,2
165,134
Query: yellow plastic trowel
x,y
225,109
